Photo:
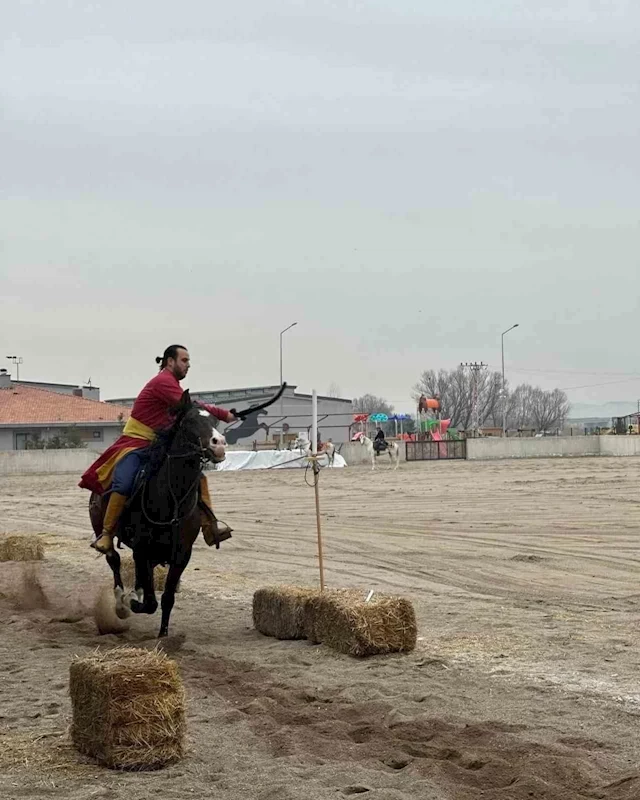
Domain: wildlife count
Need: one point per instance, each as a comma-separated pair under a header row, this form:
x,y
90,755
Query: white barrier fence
x,y
34,462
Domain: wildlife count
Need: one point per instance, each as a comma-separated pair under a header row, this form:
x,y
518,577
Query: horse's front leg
x,y
144,582
113,560
169,594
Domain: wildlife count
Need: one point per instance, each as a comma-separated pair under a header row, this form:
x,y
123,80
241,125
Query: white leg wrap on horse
x,y
122,606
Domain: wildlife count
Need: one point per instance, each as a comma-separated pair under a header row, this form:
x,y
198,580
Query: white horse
x,y
392,449
330,450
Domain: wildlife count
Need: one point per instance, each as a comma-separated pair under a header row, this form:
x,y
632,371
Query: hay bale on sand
x,y
128,708
21,547
128,574
343,620
280,611
339,618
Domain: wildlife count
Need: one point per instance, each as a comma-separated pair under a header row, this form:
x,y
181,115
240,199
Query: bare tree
x,y
526,407
455,392
333,390
371,404
549,409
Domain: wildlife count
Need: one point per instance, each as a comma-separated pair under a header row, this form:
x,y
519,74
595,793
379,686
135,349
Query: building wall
x,y
335,414
108,435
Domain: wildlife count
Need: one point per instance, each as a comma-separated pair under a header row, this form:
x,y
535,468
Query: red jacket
x,y
159,396
150,413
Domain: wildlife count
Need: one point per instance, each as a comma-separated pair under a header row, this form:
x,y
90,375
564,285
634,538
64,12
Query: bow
x,y
252,409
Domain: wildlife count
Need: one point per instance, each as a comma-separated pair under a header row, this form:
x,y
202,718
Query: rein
x,y
176,520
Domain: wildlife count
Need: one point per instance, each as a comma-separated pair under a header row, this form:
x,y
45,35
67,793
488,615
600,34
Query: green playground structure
x,y
439,429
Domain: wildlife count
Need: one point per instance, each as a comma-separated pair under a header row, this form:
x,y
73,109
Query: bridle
x,y
205,455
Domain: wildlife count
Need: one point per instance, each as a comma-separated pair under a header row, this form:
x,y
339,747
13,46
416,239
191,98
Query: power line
x,y
570,371
634,377
607,383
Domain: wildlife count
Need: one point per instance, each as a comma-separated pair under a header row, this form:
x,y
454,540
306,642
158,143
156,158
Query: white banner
x,y
272,459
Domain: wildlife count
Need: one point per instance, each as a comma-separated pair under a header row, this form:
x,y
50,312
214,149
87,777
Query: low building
x,y
31,417
87,391
286,418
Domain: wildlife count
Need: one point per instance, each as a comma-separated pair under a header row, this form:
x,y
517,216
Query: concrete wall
x,y
30,462
553,447
354,453
619,445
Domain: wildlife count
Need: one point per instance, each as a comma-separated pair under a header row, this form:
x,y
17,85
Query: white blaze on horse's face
x,y
217,438
203,413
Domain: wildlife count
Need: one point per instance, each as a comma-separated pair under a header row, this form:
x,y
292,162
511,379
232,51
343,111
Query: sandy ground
x,y
525,683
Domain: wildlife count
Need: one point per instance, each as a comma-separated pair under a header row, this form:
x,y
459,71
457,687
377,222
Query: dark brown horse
x,y
162,519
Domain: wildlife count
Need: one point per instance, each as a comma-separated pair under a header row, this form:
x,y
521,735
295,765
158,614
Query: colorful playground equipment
x,y
430,426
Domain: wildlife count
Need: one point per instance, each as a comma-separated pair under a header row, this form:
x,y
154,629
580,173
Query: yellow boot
x,y
104,543
213,531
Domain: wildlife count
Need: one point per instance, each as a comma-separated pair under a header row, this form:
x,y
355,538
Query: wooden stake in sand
x,y
316,479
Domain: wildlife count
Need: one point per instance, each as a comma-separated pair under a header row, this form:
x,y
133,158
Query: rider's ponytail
x,y
170,352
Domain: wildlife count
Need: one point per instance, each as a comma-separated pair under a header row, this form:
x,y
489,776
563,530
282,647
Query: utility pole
x,y
475,368
504,384
293,324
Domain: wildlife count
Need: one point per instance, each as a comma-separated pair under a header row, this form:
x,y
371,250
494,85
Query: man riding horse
x,y
116,469
380,443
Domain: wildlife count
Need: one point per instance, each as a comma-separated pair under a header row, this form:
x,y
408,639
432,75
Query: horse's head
x,y
195,430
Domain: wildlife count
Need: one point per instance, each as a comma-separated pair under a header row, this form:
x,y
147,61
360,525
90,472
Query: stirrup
x,y
212,534
94,544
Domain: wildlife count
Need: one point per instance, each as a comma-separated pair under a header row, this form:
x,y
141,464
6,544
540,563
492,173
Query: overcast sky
x,y
403,178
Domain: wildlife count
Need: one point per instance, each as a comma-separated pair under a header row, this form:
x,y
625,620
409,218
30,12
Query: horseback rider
x,y
117,467
379,443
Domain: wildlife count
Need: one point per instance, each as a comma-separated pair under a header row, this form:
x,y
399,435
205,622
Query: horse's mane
x,y
164,439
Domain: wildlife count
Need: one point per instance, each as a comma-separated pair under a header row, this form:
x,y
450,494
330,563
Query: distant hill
x,y
615,408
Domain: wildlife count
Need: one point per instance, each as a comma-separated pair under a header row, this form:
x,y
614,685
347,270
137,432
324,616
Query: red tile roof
x,y
22,405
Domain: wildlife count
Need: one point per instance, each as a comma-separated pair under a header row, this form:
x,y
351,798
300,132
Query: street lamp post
x,y
293,324
17,360
504,385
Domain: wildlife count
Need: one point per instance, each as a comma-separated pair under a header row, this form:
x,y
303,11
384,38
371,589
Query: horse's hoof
x,y
141,608
122,612
137,607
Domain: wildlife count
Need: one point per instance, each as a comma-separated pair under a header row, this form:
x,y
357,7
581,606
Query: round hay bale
x,y
280,611
128,708
128,574
345,621
21,547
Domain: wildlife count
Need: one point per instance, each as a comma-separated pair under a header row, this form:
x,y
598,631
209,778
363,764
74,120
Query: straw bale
x,y
21,547
128,708
128,574
343,620
280,611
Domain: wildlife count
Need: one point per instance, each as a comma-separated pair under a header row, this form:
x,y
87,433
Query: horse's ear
x,y
183,406
185,402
